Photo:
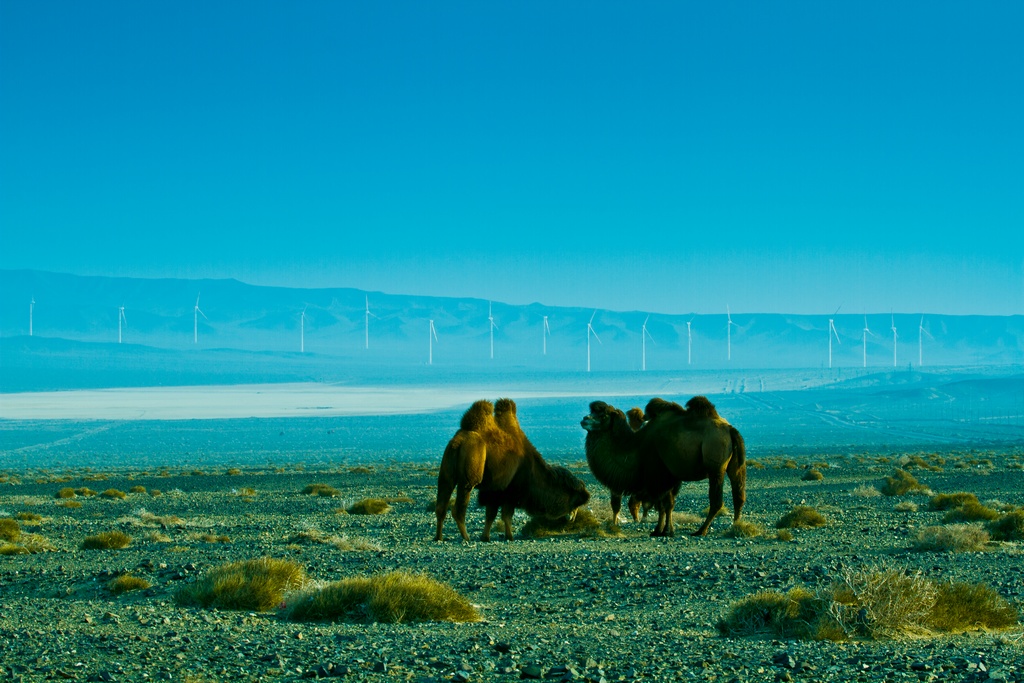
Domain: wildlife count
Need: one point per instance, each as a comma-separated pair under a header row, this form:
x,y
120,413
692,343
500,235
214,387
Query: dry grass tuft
x,y
1009,527
114,494
395,597
956,538
801,517
233,471
905,506
69,504
742,528
29,517
784,535
10,530
971,511
321,490
813,475
948,501
874,603
901,483
126,583
108,540
66,492
866,492
137,489
245,492
257,585
369,506
585,524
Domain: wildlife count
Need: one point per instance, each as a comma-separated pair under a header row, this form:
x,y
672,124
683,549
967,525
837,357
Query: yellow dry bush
x,y
255,585
948,501
901,483
126,583
10,530
585,524
742,528
1009,527
801,517
813,474
321,490
114,494
395,597
970,511
108,540
956,538
369,506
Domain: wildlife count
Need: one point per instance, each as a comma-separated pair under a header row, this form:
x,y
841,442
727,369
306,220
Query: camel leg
x,y
738,481
665,505
462,496
506,518
616,497
634,508
444,496
490,515
715,483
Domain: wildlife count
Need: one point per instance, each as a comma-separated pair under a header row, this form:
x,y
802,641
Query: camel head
x,y
505,405
600,417
574,493
636,418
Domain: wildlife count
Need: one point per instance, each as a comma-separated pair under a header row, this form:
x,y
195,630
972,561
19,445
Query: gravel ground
x,y
627,608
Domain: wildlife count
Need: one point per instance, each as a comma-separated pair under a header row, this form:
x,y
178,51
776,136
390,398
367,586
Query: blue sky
x,y
670,157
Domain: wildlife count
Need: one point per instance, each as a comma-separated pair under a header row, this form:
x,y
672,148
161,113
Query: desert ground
x,y
583,603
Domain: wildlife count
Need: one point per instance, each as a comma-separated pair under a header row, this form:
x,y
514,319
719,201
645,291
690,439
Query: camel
x,y
676,444
491,453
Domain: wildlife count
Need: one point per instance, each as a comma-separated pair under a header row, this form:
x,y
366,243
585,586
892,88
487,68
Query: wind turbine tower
x,y
832,332
490,319
689,342
31,305
120,319
546,333
368,314
195,321
894,338
644,334
728,332
865,341
431,338
920,341
302,331
590,330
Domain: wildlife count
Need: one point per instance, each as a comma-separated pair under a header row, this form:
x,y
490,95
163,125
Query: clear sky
x,y
662,156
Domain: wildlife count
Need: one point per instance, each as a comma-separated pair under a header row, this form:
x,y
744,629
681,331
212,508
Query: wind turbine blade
x,y
200,312
595,335
592,318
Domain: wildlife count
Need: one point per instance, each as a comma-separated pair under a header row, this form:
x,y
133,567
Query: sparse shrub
x,y
10,530
210,538
347,544
866,492
873,603
70,504
137,489
155,493
108,540
784,535
813,475
394,597
801,517
321,490
28,517
126,583
789,465
948,501
163,521
971,511
245,492
743,528
362,469
34,543
85,492
233,471
754,464
901,483
905,506
1009,527
157,537
955,538
962,606
12,549
114,494
256,585
369,506
585,524
66,492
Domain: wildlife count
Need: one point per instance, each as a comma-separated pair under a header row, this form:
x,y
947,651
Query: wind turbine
x,y
920,341
866,333
431,338
195,321
120,319
728,329
546,333
689,342
831,332
31,305
302,330
490,319
590,329
644,334
368,314
894,338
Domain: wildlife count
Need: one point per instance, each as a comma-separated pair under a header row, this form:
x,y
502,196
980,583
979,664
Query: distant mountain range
x,y
276,333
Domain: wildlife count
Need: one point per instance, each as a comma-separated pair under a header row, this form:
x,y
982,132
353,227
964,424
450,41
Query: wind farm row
x,y
544,330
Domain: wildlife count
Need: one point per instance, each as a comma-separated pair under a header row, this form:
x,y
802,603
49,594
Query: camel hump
x,y
479,416
505,406
700,406
635,417
658,406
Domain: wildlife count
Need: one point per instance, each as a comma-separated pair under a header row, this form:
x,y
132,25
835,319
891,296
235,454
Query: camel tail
x,y
739,448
